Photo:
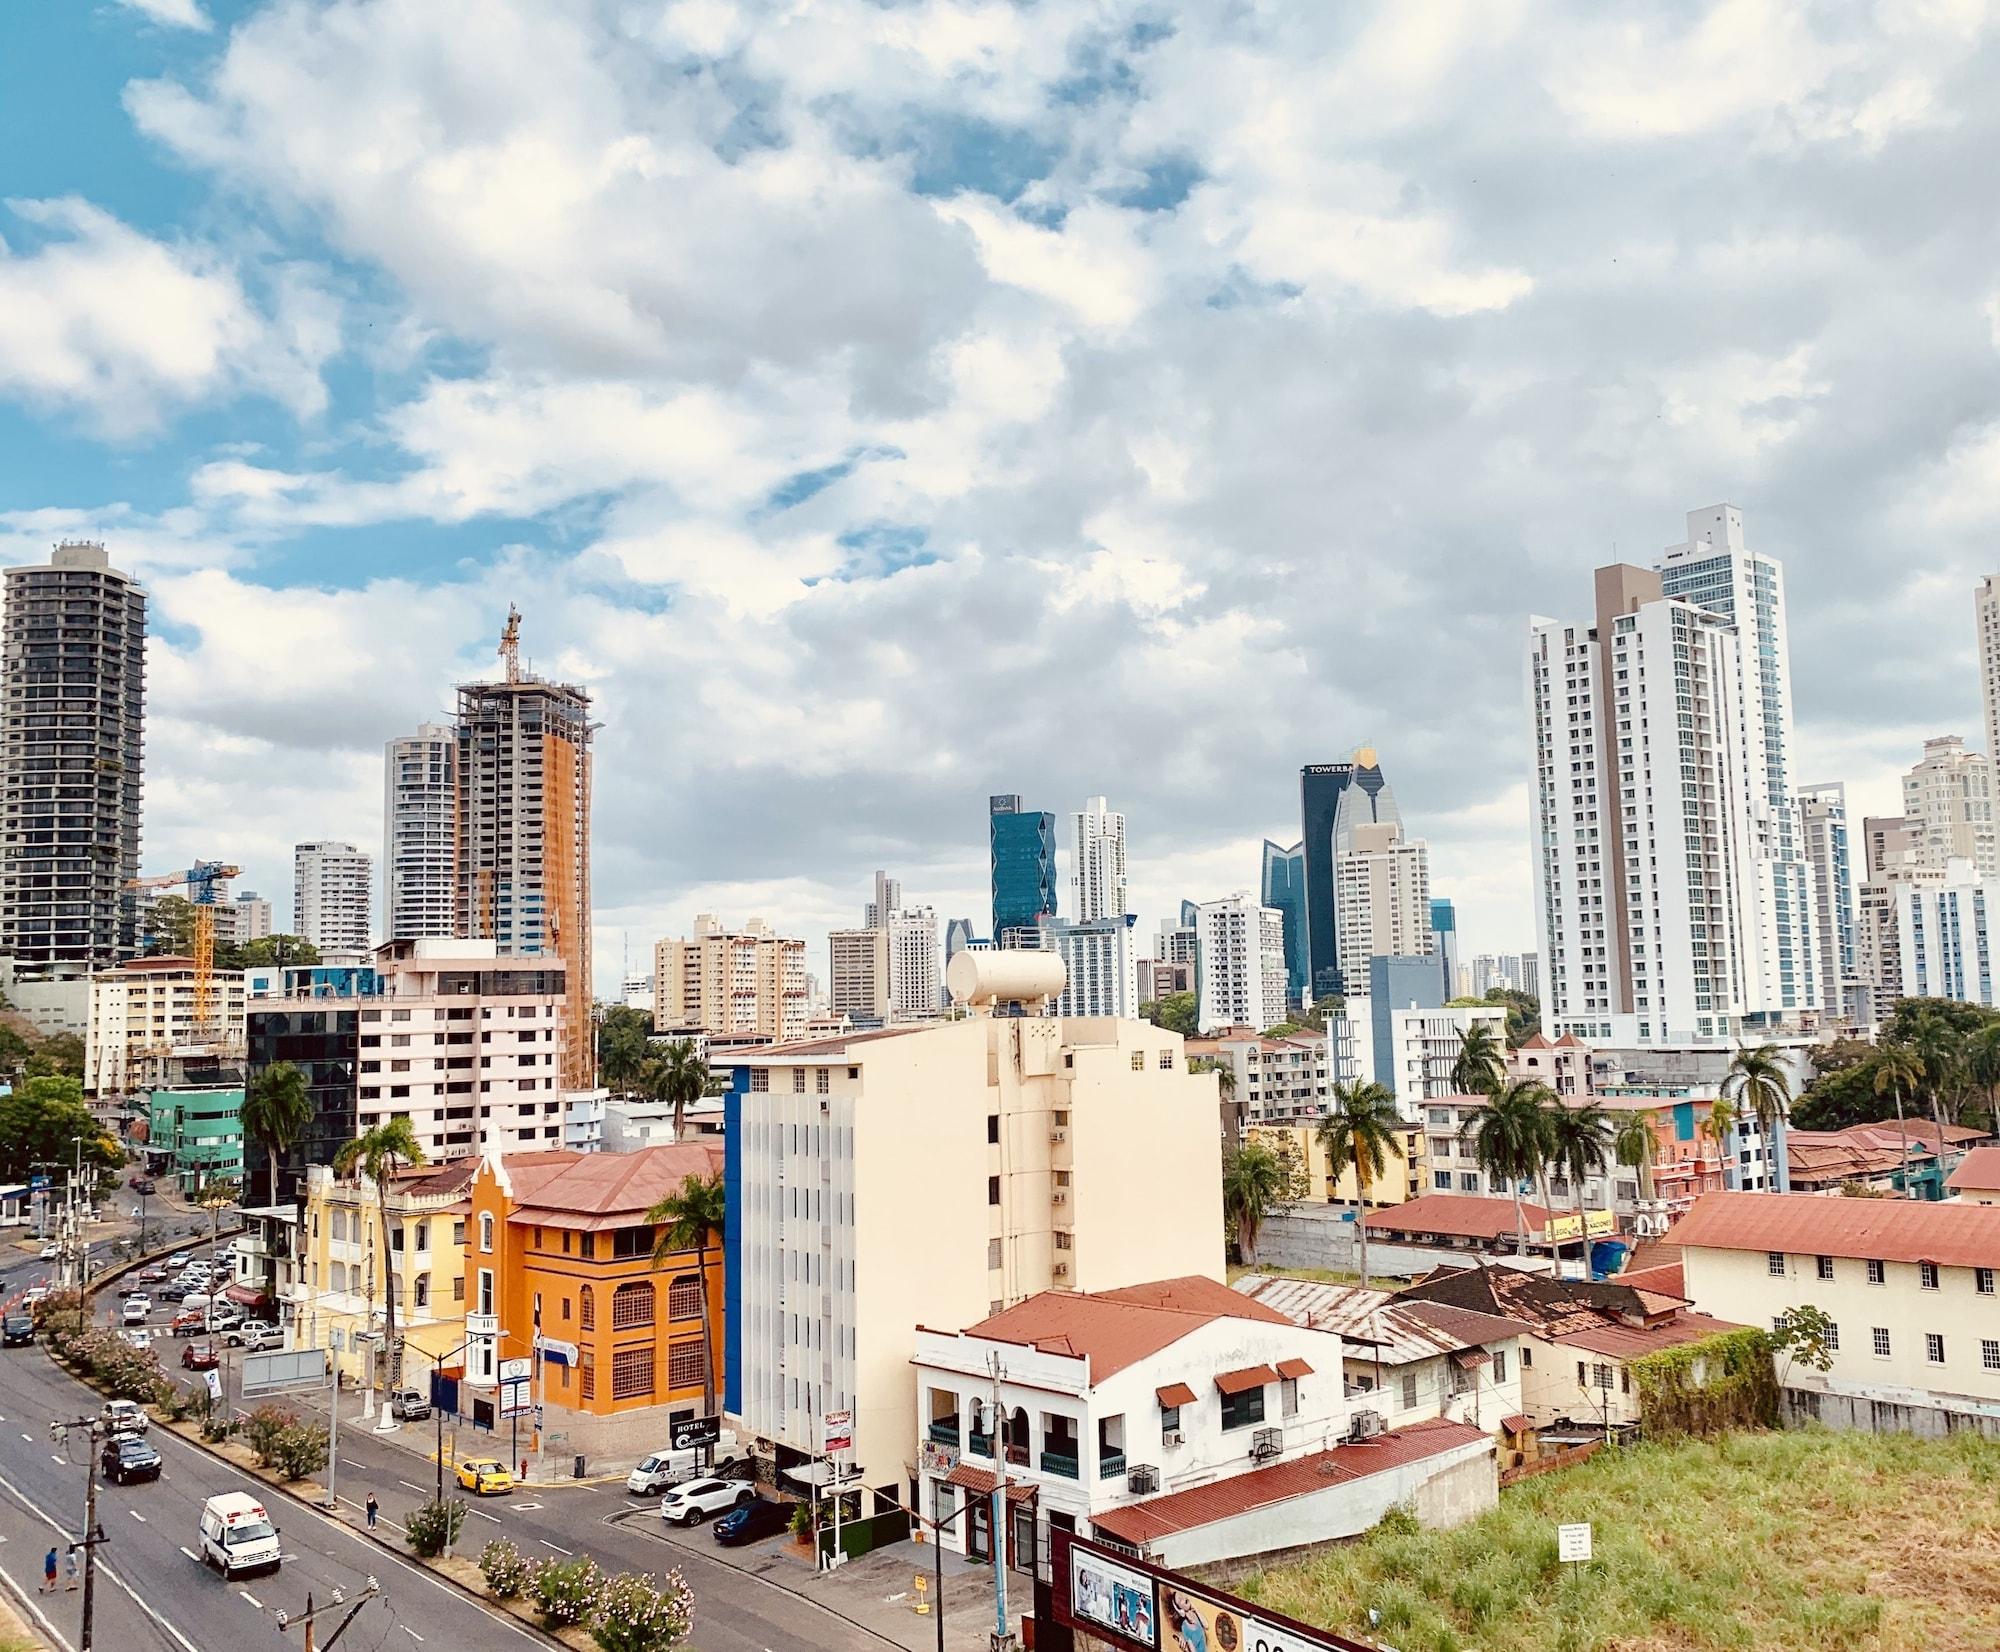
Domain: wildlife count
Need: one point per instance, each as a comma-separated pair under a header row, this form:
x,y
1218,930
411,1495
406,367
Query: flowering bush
x,y
566,1591
505,1568
299,1449
263,1429
642,1614
432,1527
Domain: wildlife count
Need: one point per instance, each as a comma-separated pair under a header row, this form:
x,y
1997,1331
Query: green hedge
x,y
1708,1387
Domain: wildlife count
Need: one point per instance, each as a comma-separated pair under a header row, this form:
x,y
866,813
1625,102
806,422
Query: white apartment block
x,y
419,805
1240,948
1986,604
888,898
1098,967
1909,1285
1410,1050
1278,1078
1948,796
143,1012
1098,862
1674,900
858,973
748,980
1014,1132
916,978
1946,936
332,893
468,1043
1382,898
1823,833
249,917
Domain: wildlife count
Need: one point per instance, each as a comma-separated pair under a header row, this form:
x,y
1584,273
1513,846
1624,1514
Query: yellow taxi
x,y
485,1477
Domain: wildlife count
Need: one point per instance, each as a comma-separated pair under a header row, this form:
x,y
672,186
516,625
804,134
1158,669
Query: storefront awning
x,y
980,1483
1251,1376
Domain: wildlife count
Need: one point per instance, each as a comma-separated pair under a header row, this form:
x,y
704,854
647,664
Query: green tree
x,y
1173,1013
677,1075
1899,1070
277,1111
1635,1144
270,951
688,1220
1253,1185
1510,1141
1524,1014
42,1120
1940,1044
1805,1335
377,1153
170,926
60,1055
1362,1130
622,1047
14,1052
1759,1083
1580,1140
1842,1091
1480,1067
1982,1067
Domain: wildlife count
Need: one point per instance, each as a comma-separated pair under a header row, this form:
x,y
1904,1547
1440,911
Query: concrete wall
x,y
1805,1406
1314,1236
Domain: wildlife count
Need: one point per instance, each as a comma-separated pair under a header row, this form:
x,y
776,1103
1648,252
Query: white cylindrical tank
x,y
1004,977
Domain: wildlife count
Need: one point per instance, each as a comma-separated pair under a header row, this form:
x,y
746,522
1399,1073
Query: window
x,y
1527,1358
1170,1418
1825,1266
423,1296
586,1300
1499,1365
486,1232
1441,1179
992,1190
458,1289
1983,1279
992,1129
1989,1354
1601,1374
1138,1061
458,1233
1409,1389
994,1256
1288,1396
486,1290
1241,1410
1167,1061
631,1373
1927,1275
822,1081
684,1298
687,1364
628,1244
565,1310
1774,1263
587,1373
1880,1334
1934,1347
632,1306
1875,1273
1832,1337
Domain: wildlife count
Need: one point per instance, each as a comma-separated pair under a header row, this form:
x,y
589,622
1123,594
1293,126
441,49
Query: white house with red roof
x,y
1182,1419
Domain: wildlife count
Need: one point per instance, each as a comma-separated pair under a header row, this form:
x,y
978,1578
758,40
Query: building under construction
x,y
522,866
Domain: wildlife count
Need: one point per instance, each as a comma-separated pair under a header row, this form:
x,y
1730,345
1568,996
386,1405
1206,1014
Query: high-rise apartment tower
x,y
1098,878
418,795
332,891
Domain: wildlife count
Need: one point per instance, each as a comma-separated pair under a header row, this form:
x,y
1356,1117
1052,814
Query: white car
x,y
124,1417
51,1251
254,1334
224,1316
136,1309
140,1337
180,1259
691,1504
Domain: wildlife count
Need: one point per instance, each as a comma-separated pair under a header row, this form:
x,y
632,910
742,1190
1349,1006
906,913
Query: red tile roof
x,y
1799,1224
1635,1341
1180,1511
1667,1279
1193,1294
1462,1215
1114,1329
1978,1169
603,1190
980,1483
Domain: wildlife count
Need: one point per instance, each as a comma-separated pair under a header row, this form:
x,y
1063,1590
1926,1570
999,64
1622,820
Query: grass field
x,y
1789,1542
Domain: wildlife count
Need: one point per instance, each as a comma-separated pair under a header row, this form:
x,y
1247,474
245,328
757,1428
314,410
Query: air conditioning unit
x,y
1365,1425
1172,1436
1061,1270
1142,1477
1059,1197
1058,1135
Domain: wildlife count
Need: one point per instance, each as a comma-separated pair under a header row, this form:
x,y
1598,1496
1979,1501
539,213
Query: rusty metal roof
x,y
1948,1233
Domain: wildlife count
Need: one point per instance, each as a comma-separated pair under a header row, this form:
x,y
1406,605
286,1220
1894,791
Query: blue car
x,y
749,1521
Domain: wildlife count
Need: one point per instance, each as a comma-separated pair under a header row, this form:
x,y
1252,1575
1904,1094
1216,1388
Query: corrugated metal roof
x,y
1114,1329
1461,1215
1891,1230
1397,1333
1635,1341
1978,1169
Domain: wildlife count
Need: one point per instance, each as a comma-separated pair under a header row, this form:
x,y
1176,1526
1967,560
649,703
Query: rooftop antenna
x,y
510,643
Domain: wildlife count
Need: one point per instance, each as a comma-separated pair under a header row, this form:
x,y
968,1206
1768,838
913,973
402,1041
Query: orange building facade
x,y
561,1237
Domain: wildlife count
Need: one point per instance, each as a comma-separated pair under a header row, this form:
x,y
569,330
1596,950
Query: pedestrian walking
x,y
69,1566
374,1508
49,1572
524,1468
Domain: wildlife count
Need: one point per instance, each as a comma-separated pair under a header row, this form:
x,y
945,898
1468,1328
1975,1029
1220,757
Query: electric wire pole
x,y
93,1533
309,1618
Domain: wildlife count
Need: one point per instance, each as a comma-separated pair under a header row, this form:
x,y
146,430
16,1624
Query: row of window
x,y
1777,1264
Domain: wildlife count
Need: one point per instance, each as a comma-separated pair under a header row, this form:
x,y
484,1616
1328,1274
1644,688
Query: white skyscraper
x,y
1382,898
331,890
914,974
1823,831
887,899
1949,796
1986,600
418,787
1674,900
1240,964
1098,878
1098,959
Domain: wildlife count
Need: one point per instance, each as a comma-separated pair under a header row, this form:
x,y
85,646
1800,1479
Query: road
x,y
151,1590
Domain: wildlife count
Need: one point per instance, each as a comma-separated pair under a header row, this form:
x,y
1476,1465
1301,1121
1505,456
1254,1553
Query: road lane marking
x,y
136,1515
350,1462
252,1599
559,1549
419,1639
483,1515
399,1482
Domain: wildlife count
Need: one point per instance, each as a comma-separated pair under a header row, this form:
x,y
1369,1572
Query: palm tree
x,y
276,1112
1942,1049
679,1075
1898,1072
687,1219
1480,1067
1720,1128
1758,1082
1982,1066
376,1153
1509,1140
622,1047
1362,1129
1580,1140
1634,1144
1253,1183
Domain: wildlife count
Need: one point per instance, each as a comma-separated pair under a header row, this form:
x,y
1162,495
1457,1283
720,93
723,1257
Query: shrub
x,y
505,1569
433,1527
299,1450
263,1427
215,1428
565,1591
642,1614
802,1520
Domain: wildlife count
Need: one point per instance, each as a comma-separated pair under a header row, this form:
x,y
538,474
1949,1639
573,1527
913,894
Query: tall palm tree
x,y
679,1075
1720,1128
1362,1129
622,1048
1580,1140
1509,1141
1982,1067
1898,1072
1635,1144
376,1154
276,1111
1480,1067
1759,1084
1253,1182
687,1220
1942,1049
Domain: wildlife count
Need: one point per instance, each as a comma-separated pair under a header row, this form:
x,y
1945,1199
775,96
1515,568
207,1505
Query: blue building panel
x,y
1024,865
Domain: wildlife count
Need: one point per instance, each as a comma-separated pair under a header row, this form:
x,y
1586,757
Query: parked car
x,y
136,1309
748,1522
409,1405
126,1458
143,1184
201,1356
485,1477
691,1504
180,1259
17,1330
252,1333
188,1325
124,1417
662,1470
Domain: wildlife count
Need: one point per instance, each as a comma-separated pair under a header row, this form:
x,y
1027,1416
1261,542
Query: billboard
x,y
1562,1229
282,1371
691,1432
1129,1603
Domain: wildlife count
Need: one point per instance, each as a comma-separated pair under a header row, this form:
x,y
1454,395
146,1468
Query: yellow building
x,y
1401,1179
731,981
339,1285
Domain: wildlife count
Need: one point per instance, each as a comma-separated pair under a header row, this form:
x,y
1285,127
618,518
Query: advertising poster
x,y
1120,1599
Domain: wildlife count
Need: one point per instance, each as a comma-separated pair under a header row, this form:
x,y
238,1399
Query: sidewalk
x,y
878,1592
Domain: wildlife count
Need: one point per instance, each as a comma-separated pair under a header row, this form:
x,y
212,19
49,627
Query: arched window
x,y
632,1305
684,1298
975,1418
486,1231
423,1298
586,1308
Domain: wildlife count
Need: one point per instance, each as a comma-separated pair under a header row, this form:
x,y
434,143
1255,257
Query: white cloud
x,y
174,14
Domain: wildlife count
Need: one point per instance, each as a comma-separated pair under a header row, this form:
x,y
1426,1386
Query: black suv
x,y
127,1458
17,1330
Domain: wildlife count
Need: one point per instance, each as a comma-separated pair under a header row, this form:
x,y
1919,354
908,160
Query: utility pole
x,y
93,1534
1002,1640
309,1618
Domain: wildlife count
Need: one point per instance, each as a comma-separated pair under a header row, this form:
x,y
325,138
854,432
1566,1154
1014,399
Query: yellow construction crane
x,y
200,880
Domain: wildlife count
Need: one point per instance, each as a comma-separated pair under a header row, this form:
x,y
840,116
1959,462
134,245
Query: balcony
x,y
945,1432
979,1445
1017,1454
1062,1463
1110,1464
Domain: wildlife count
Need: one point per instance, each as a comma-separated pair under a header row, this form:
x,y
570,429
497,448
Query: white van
x,y
663,1469
196,1302
237,1535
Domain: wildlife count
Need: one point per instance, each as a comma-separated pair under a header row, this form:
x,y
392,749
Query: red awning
x,y
1175,1393
1251,1376
1517,1424
1466,1358
978,1481
244,1296
1294,1368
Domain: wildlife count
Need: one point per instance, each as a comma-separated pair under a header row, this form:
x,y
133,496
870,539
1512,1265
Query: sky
x,y
878,406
